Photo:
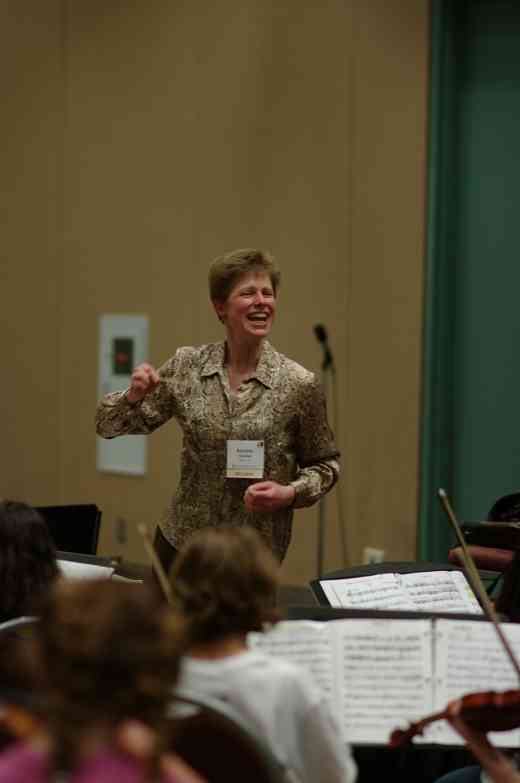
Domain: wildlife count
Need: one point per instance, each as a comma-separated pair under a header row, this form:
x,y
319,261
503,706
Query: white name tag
x,y
245,459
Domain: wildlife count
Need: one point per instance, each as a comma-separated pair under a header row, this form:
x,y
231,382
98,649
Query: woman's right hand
x,y
144,380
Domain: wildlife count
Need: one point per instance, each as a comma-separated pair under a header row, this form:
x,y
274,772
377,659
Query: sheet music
x,y
379,591
441,591
384,675
305,643
70,569
470,659
380,674
429,591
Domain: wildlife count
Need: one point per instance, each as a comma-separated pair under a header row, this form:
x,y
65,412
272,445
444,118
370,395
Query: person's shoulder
x,y
285,670
294,376
294,370
20,762
201,353
290,680
191,356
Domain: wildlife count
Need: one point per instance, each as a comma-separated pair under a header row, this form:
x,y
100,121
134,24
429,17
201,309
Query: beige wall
x,y
145,140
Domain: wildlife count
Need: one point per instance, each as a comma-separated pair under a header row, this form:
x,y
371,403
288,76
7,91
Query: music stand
x,y
73,528
400,567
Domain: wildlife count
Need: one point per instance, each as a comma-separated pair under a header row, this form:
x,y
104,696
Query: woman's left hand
x,y
268,496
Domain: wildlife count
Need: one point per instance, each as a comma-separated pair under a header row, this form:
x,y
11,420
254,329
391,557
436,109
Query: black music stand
x,y
73,528
400,567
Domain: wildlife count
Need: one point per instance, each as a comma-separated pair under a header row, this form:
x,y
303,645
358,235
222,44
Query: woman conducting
x,y
256,439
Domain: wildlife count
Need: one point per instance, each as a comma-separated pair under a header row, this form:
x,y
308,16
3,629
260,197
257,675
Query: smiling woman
x,y
256,439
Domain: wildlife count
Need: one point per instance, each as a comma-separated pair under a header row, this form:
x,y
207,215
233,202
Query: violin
x,y
486,711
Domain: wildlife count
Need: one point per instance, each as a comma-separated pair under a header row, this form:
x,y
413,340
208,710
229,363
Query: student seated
x,y
224,586
28,566
105,659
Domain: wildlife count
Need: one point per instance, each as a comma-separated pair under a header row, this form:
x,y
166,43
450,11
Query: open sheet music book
x,y
427,591
382,674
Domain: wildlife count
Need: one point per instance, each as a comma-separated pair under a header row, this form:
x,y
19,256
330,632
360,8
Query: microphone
x,y
321,336
321,333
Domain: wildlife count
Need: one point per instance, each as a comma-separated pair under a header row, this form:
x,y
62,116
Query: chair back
x,y
216,742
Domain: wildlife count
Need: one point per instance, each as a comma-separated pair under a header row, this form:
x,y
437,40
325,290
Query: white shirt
x,y
281,705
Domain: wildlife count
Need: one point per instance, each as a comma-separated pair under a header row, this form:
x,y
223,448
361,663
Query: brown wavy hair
x,y
223,583
108,652
28,565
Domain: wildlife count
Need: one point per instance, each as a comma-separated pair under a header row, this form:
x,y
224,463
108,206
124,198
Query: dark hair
x,y
108,652
505,509
27,560
223,583
226,270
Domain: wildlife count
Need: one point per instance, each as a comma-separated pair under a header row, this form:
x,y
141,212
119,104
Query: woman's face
x,y
250,307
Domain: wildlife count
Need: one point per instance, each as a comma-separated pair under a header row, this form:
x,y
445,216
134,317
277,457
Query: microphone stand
x,y
327,369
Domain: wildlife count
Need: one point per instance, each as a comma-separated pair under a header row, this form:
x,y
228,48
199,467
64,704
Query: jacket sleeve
x,y
316,452
116,416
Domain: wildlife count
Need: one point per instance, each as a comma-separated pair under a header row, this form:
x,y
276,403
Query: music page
x,y
384,675
70,569
379,591
469,658
305,643
440,591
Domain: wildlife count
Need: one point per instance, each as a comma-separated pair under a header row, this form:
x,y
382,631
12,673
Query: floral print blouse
x,y
282,404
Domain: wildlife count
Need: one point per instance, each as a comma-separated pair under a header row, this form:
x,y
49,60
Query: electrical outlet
x,y
371,555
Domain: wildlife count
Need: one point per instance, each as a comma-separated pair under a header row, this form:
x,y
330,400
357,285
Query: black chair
x,y
73,528
215,741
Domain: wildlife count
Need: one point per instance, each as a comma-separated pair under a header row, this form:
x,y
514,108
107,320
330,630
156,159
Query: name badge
x,y
245,459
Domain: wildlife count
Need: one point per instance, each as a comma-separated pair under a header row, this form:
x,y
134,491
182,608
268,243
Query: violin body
x,y
486,711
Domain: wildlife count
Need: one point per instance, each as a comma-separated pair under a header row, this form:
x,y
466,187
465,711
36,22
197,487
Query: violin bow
x,y
476,582
156,563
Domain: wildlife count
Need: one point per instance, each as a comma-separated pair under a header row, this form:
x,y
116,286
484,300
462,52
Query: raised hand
x,y
144,380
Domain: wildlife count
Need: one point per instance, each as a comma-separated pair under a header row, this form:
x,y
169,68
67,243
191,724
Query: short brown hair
x,y
226,270
223,583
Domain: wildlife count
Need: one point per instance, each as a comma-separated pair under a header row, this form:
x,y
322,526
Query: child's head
x,y
108,653
224,583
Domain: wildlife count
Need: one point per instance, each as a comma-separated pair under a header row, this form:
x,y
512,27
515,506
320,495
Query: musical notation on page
x,y
443,591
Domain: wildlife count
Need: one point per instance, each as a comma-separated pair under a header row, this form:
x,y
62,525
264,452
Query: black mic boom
x,y
321,333
321,336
